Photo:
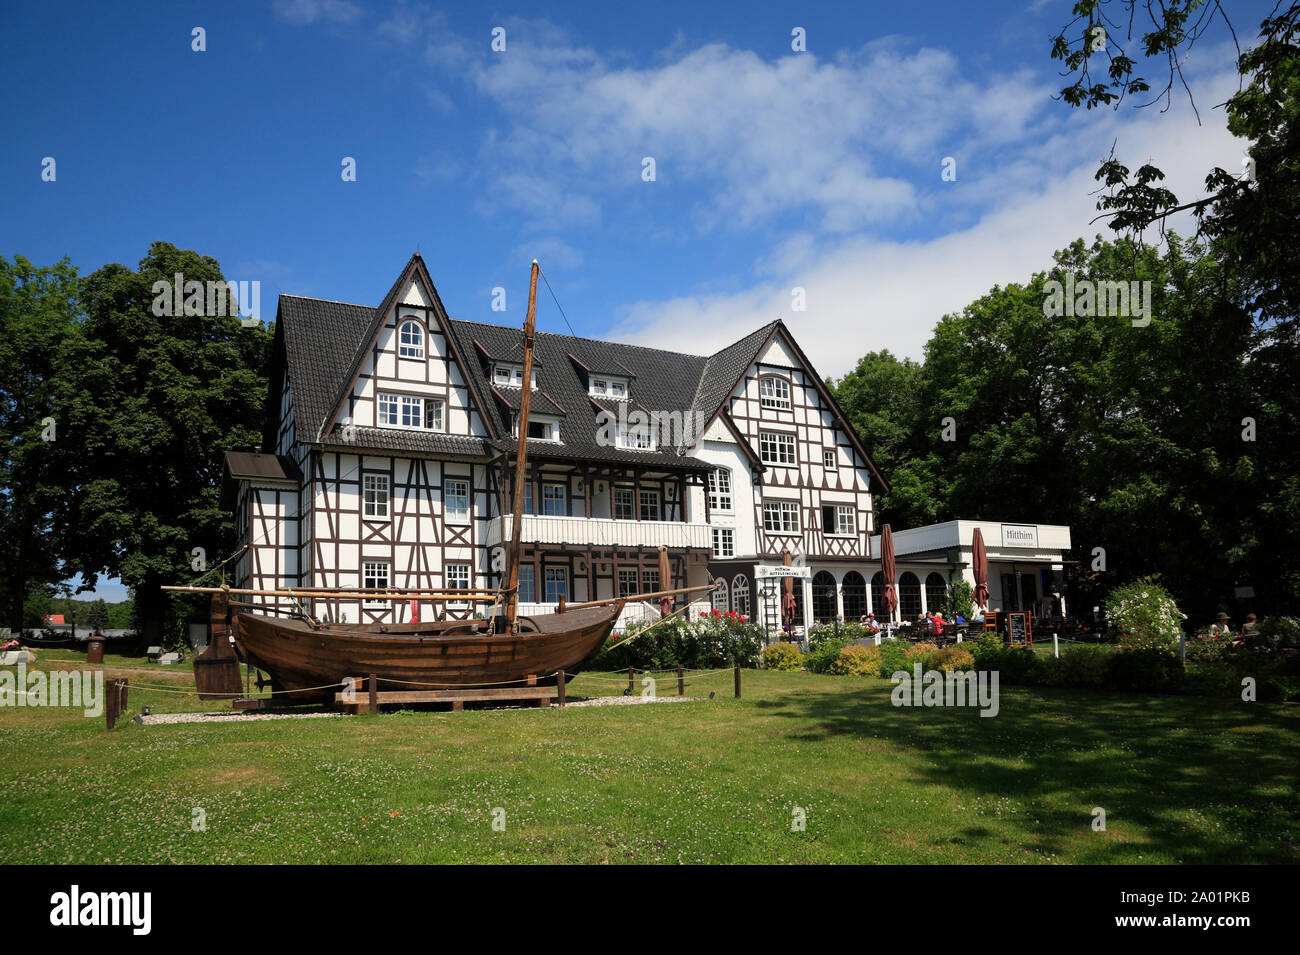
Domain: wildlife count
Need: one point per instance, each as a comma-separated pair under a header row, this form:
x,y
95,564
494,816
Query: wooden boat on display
x,y
308,660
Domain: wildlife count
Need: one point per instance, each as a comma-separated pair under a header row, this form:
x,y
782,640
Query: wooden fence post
x,y
110,704
374,694
126,689
681,683
560,686
629,679
737,682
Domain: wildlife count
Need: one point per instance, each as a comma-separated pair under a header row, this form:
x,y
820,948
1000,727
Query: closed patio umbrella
x,y
980,568
665,581
887,570
787,600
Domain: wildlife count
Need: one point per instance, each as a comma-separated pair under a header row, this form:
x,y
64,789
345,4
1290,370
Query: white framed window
x,y
650,581
456,577
650,506
624,504
455,502
724,542
720,490
539,429
776,447
554,500
605,387
557,583
740,595
410,340
627,583
527,584
414,412
434,414
374,573
828,459
774,392
636,438
374,496
504,373
781,517
718,596
840,520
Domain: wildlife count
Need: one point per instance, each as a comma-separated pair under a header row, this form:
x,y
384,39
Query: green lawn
x,y
1180,779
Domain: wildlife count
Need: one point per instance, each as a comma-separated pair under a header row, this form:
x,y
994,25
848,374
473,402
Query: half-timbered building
x,y
388,458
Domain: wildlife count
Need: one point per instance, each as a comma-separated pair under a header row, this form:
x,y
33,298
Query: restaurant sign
x,y
1019,535
780,570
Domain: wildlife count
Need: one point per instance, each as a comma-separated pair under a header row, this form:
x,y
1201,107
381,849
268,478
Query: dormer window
x,y
410,340
539,428
605,387
774,392
504,373
635,438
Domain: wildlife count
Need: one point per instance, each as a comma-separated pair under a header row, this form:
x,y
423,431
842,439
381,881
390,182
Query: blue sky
x,y
775,170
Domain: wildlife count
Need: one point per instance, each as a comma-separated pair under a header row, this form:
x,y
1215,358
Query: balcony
x,y
602,532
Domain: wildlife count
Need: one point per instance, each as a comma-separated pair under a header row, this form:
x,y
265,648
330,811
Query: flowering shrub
x,y
819,633
951,659
857,661
1145,616
715,640
921,651
1206,647
782,656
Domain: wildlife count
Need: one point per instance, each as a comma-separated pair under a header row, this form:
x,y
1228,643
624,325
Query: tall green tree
x,y
151,404
37,311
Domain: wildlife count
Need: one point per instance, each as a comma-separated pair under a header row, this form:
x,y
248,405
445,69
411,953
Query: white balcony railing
x,y
602,532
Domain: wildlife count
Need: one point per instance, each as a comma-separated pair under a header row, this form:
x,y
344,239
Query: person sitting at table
x,y
869,621
1221,626
960,621
978,617
1250,626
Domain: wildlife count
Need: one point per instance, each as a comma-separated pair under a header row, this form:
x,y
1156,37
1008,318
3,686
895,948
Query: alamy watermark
x,y
951,688
242,300
73,688
639,430
75,907
1087,299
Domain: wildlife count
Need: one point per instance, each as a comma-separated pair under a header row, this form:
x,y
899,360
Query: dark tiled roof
x,y
324,341
320,338
723,369
660,381
401,439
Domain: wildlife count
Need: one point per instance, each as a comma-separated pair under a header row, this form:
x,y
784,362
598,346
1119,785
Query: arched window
x,y
936,588
719,596
878,595
774,392
823,588
410,340
740,595
854,589
909,596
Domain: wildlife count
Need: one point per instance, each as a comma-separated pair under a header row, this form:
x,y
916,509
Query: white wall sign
x,y
762,571
1019,535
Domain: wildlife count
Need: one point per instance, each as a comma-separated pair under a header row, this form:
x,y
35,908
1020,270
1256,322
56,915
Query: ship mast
x,y
521,458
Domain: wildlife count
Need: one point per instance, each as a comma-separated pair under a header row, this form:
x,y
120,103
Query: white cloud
x,y
316,11
867,293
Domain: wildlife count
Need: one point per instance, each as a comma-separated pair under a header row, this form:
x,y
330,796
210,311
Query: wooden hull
x,y
307,665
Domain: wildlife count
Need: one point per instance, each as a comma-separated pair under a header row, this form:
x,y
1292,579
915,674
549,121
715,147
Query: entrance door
x,y
1010,598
